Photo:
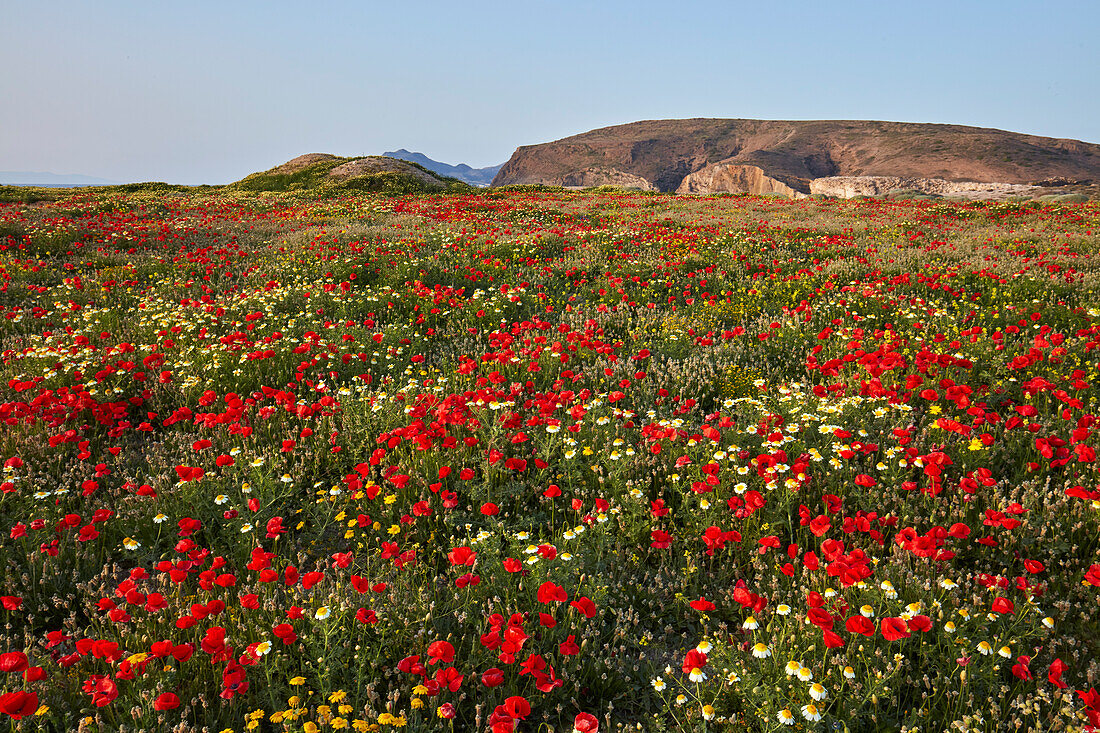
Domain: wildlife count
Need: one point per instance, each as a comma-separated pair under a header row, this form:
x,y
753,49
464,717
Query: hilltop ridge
x,y
325,171
782,156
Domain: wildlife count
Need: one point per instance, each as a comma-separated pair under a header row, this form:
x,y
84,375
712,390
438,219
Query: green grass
x,y
315,177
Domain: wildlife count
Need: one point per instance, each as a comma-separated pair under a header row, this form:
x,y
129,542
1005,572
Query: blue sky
x,y
200,91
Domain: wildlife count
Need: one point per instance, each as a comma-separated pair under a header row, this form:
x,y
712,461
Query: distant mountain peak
x,y
463,172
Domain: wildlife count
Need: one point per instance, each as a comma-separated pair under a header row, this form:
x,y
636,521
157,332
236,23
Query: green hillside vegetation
x,y
381,175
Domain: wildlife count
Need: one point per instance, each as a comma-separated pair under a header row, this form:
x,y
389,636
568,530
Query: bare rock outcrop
x,y
851,186
303,161
725,177
379,164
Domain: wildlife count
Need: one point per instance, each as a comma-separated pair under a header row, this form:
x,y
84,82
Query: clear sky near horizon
x,y
209,91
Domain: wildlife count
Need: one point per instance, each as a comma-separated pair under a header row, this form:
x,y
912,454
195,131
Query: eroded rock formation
x,y
733,178
852,186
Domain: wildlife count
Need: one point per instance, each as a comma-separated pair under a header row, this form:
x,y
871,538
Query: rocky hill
x,y
368,173
784,157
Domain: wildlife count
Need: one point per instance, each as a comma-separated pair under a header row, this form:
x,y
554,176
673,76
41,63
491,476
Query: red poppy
x,y
585,723
549,592
1034,566
893,628
440,652
920,623
166,701
694,659
460,556
19,704
102,689
189,473
34,674
959,531
312,578
702,605
585,606
13,662
821,618
832,639
285,632
860,625
275,527
1092,700
411,665
1054,676
1092,576
449,679
517,707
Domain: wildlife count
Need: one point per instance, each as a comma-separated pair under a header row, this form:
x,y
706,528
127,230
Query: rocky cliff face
x,y
852,186
666,153
733,178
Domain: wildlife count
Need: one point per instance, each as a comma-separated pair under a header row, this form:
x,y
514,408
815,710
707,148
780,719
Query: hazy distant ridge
x,y
37,178
463,172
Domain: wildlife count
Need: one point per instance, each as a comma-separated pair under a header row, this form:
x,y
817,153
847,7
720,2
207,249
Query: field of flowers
x,y
548,461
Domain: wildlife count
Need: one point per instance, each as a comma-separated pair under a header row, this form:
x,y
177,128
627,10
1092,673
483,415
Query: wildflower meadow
x,y
538,460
